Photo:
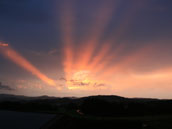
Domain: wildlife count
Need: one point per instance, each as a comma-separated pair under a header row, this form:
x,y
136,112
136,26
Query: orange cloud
x,y
3,44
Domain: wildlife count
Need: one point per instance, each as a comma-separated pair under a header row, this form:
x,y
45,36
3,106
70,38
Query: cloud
x,y
3,44
53,52
63,79
99,85
80,83
5,87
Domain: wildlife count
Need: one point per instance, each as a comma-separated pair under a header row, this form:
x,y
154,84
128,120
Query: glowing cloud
x,y
3,44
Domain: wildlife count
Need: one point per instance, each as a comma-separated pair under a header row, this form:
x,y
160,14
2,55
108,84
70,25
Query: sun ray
x,y
103,64
132,12
99,56
14,56
90,56
98,28
127,61
123,27
67,27
118,33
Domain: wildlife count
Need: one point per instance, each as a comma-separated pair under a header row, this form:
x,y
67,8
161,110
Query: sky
x,y
86,47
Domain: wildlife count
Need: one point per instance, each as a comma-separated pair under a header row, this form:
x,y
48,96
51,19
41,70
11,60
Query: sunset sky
x,y
86,47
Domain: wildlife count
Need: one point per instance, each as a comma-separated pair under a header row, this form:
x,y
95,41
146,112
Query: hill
x,y
98,112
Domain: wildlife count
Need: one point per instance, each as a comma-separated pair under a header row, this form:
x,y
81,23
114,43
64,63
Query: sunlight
x,y
12,55
83,80
93,61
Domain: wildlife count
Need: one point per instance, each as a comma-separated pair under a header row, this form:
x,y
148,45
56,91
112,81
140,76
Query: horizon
x,y
86,48
104,95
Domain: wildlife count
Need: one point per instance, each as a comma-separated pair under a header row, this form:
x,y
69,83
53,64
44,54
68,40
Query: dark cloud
x,y
81,83
54,52
75,82
5,87
99,85
63,79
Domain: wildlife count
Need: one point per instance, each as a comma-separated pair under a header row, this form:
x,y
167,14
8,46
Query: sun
x,y
83,80
81,75
78,79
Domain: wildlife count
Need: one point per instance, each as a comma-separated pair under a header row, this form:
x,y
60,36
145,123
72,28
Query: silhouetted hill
x,y
109,98
93,105
98,112
10,97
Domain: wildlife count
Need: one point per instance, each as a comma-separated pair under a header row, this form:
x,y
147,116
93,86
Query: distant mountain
x,y
98,112
10,97
109,98
101,105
